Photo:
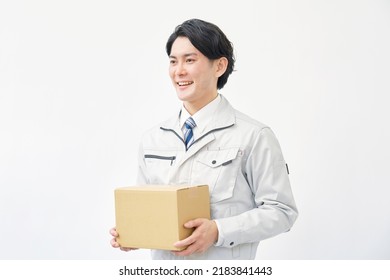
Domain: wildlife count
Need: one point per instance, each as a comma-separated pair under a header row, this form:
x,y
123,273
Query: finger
x,y
185,242
124,249
114,243
186,252
113,232
193,223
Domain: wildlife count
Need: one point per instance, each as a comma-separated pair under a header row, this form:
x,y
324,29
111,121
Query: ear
x,y
221,66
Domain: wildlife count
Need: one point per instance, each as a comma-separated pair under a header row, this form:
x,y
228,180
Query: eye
x,y
172,62
190,60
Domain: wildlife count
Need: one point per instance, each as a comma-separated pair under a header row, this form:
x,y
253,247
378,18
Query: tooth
x,y
184,83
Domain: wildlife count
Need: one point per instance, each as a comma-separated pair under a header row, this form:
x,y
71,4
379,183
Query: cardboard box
x,y
154,216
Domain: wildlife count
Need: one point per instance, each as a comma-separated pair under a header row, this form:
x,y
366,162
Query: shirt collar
x,y
203,117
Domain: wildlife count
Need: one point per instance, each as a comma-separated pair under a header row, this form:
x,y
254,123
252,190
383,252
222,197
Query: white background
x,y
80,80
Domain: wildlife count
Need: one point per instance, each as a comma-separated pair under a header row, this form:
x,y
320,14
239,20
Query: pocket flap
x,y
218,158
159,154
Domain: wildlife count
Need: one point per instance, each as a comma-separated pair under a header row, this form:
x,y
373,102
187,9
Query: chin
x,y
183,96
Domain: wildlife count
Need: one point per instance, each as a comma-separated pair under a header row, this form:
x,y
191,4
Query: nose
x,y
180,69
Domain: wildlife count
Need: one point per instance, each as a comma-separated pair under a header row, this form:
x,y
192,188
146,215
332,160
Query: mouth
x,y
183,84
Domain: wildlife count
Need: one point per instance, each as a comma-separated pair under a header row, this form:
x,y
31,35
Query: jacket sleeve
x,y
275,211
141,174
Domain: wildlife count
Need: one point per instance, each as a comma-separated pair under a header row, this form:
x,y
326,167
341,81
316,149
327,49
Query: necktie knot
x,y
188,133
190,123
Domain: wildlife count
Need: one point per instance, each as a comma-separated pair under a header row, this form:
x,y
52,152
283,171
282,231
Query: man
x,y
209,142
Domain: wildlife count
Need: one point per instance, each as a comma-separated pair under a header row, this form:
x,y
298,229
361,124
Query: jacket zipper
x,y
171,158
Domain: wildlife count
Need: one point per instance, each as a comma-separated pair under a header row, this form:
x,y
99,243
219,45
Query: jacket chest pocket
x,y
159,165
218,169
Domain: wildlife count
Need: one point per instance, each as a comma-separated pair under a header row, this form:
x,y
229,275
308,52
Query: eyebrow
x,y
185,55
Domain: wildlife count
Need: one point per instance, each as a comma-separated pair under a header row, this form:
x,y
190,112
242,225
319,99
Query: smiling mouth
x,y
181,84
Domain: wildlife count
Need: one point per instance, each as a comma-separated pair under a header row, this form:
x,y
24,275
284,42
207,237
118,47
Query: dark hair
x,y
209,40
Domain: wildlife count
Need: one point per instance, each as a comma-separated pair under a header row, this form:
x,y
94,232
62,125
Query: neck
x,y
194,106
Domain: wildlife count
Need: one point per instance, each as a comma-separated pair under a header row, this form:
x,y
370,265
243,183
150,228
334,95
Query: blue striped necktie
x,y
188,133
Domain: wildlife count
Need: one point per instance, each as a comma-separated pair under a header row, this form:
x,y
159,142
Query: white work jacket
x,y
241,161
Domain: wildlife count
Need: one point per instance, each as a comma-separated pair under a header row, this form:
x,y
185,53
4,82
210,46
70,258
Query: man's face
x,y
193,75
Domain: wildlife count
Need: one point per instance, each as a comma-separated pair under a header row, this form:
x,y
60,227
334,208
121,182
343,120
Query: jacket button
x,y
214,162
231,243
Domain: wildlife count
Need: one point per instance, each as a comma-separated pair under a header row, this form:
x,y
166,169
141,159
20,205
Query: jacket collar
x,y
223,117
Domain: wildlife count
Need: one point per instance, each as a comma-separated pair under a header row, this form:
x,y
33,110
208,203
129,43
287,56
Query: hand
x,y
203,237
115,244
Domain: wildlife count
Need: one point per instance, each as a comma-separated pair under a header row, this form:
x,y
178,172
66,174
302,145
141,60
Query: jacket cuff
x,y
223,240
